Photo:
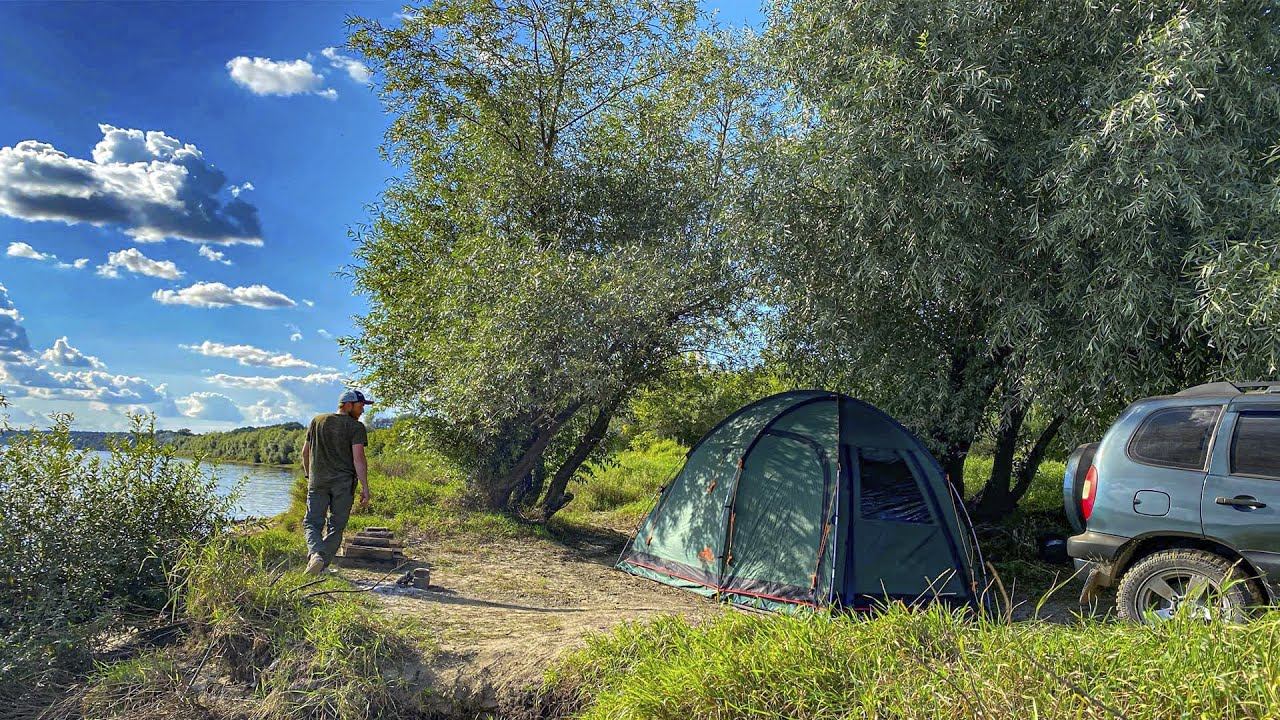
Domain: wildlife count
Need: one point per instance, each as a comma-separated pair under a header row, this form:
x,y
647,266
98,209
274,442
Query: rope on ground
x,y
382,579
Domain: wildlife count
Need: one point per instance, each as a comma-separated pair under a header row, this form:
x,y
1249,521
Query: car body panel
x,y
1129,508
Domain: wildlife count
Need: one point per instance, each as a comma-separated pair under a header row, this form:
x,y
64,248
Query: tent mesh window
x,y
889,489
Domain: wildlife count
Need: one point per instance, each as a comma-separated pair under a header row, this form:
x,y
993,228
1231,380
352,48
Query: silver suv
x,y
1179,504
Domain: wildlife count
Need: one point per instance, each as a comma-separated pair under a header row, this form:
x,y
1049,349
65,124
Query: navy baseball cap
x,y
354,396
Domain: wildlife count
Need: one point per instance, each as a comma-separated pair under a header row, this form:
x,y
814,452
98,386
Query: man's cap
x,y
354,396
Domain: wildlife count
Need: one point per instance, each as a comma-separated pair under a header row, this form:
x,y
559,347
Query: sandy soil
x,y
501,611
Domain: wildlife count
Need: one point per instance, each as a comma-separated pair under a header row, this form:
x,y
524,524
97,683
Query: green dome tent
x,y
809,498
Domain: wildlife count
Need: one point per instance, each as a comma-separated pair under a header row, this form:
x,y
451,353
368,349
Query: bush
x,y
87,542
925,664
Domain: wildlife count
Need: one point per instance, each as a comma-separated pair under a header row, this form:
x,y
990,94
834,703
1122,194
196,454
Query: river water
x,y
265,491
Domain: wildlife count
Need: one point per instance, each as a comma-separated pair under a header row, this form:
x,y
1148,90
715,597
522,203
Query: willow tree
x,y
1003,216
555,240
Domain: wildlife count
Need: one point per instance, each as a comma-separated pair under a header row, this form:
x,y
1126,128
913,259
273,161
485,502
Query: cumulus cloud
x,y
62,353
264,412
23,250
237,189
23,375
305,393
217,295
150,184
134,261
264,76
354,68
212,255
209,406
248,355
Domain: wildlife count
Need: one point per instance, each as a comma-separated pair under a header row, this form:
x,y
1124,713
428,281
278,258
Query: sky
x,y
178,185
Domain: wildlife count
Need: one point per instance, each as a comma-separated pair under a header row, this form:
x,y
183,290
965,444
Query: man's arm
x,y
362,472
306,458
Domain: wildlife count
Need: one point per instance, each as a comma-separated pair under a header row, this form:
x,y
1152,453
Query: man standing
x,y
333,460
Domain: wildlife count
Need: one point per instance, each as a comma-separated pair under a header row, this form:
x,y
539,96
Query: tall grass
x,y
309,648
619,492
926,664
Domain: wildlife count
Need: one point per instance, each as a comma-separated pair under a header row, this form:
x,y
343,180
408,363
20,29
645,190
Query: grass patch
x,y
305,646
926,664
618,493
423,492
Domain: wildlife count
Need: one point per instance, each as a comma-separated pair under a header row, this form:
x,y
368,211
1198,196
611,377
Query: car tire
x,y
1159,583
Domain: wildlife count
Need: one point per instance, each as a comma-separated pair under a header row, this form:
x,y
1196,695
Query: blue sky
x,y
177,183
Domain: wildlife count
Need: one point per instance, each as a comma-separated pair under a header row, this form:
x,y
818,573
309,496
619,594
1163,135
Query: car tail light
x,y
1089,492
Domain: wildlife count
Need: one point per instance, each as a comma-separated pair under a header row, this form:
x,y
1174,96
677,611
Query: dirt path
x,y
501,611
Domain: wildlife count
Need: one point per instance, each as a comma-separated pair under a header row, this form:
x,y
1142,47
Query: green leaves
x,y
558,236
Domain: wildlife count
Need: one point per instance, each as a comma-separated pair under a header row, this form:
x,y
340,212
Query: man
x,y
333,460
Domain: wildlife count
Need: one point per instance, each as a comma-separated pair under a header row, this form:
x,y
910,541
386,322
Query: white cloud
x,y
62,353
264,76
22,374
134,261
248,355
309,303
216,295
267,413
324,334
23,250
212,255
209,406
152,185
354,68
305,393
237,189
295,333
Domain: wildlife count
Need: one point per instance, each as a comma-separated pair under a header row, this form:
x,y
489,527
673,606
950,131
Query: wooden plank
x,y
374,542
372,553
377,528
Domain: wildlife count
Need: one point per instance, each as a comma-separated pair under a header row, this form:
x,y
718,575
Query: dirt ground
x,y
499,612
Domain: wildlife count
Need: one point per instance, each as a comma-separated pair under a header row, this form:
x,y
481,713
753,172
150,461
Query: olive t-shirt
x,y
331,436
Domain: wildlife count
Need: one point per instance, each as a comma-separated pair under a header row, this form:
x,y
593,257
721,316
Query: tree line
x,y
996,220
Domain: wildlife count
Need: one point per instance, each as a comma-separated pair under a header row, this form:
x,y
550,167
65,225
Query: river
x,y
266,488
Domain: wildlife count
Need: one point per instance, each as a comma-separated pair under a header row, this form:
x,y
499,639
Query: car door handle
x,y
1243,501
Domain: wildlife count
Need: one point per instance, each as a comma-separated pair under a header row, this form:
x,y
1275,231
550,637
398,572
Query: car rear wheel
x,y
1195,582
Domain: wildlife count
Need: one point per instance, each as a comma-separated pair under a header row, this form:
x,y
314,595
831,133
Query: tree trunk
x,y
556,496
996,498
499,493
1031,464
953,465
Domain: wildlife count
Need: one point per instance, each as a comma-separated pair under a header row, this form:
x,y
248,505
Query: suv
x,y
1179,504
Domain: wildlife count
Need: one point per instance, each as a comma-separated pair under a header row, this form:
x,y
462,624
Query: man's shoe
x,y
316,566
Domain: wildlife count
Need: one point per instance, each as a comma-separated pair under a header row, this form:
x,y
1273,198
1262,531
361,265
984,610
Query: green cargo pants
x,y
334,503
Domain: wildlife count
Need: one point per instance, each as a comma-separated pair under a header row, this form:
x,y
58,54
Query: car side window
x,y
1255,448
1175,437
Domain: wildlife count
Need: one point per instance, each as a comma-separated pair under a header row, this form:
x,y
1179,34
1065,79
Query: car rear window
x,y
1255,450
1175,437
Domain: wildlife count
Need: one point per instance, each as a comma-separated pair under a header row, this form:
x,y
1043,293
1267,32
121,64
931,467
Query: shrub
x,y
87,542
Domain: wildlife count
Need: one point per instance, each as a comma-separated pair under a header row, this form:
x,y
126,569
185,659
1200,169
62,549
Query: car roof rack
x,y
1234,387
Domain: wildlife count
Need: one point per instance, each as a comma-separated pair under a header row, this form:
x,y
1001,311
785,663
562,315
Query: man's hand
x,y
365,497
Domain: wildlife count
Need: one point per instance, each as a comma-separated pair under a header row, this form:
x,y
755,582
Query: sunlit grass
x,y
925,664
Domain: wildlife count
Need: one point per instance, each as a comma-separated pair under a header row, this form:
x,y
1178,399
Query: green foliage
x,y
272,445
925,664
86,543
556,238
686,403
979,208
620,491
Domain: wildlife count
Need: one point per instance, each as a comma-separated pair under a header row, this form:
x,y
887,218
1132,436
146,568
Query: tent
x,y
809,499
